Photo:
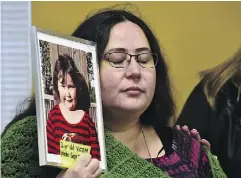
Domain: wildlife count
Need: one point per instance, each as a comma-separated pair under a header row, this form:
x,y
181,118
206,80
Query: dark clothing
x,y
179,163
220,126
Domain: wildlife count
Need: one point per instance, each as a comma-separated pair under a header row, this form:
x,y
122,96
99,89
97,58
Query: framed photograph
x,y
68,102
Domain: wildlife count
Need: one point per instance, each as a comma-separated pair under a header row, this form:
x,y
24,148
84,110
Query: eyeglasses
x,y
123,60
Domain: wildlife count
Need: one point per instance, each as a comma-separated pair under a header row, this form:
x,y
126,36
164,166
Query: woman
x,y
214,109
137,106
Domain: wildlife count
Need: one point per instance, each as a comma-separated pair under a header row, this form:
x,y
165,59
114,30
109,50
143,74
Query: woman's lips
x,y
133,90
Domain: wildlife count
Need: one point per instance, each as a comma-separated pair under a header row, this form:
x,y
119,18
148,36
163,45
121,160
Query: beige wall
x,y
193,35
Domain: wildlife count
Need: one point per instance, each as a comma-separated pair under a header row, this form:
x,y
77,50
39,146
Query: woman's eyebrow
x,y
138,50
143,49
117,50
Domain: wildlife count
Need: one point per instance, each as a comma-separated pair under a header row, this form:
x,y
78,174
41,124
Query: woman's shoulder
x,y
198,155
26,125
184,141
178,139
190,149
20,135
19,147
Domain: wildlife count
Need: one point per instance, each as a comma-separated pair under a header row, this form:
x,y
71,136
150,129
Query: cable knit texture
x,y
215,166
124,163
19,147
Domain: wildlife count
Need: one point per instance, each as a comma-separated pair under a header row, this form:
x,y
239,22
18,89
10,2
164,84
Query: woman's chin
x,y
133,106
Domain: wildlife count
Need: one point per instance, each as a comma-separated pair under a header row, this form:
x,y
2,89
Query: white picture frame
x,y
46,49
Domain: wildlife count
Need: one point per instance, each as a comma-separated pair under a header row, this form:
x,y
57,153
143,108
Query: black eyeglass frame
x,y
130,57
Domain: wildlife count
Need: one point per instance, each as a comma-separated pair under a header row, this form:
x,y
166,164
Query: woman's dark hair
x,y
97,28
65,65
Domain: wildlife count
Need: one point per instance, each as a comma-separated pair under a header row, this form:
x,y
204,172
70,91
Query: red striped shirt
x,y
83,132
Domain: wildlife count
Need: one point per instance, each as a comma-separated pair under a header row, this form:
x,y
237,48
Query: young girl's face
x,y
67,91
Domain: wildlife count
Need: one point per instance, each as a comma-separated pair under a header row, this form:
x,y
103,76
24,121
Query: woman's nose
x,y
134,69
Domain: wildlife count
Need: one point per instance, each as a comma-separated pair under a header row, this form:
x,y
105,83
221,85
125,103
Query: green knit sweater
x,y
19,148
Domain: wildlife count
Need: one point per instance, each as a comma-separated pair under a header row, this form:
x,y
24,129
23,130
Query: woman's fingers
x,y
84,167
97,173
195,134
93,166
79,167
206,143
178,127
186,129
83,160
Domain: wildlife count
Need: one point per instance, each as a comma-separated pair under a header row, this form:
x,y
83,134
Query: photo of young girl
x,y
69,119
68,102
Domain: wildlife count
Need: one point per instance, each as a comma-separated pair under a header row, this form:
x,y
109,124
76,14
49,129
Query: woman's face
x,y
131,88
67,92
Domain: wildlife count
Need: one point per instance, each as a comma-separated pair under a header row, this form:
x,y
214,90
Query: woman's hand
x,y
195,134
84,167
